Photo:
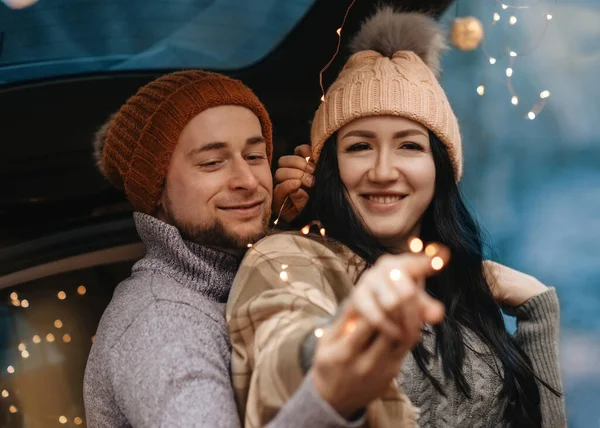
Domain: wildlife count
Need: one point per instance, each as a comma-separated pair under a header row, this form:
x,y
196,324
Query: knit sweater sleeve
x,y
171,369
285,287
538,324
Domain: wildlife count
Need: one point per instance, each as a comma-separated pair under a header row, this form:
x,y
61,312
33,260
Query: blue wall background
x,y
535,184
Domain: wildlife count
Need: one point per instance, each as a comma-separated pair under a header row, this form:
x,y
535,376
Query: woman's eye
x,y
358,147
412,146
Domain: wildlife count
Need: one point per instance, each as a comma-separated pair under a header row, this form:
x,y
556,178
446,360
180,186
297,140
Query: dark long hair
x,y
462,286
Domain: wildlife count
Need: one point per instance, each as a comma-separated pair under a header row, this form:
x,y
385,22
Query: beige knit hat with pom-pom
x,y
393,72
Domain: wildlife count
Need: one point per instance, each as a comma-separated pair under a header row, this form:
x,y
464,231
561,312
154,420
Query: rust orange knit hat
x,y
133,149
393,72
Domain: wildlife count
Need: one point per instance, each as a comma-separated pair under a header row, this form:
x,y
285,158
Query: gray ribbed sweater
x,y
537,333
161,357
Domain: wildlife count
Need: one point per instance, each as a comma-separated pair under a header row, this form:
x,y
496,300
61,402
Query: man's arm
x,y
172,369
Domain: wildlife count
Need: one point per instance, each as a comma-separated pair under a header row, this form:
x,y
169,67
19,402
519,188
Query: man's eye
x,y
210,164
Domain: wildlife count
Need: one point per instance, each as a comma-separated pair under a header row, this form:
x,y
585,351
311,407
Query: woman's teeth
x,y
385,199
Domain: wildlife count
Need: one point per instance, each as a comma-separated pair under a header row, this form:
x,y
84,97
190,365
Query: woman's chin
x,y
392,236
388,237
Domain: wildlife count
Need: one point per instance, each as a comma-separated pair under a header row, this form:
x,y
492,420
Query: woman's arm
x,y
286,286
538,327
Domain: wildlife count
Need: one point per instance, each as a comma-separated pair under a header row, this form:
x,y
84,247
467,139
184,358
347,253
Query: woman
x,y
388,159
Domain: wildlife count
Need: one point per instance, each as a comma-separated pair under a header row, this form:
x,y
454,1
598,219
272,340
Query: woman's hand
x,y
361,352
391,295
509,286
294,174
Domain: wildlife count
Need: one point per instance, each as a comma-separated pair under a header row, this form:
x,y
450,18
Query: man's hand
x,y
292,177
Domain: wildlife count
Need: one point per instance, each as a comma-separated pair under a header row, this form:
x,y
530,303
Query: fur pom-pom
x,y
389,31
100,141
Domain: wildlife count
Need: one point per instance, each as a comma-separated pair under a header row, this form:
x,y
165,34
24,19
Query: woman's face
x,y
387,166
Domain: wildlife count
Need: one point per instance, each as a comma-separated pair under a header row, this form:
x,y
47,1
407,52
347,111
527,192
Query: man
x,y
191,150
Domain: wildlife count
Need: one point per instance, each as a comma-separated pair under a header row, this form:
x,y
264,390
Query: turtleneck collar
x,y
200,268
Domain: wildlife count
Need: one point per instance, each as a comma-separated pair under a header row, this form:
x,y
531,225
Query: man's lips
x,y
244,206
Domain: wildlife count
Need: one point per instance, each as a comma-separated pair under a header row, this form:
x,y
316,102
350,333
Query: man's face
x,y
219,186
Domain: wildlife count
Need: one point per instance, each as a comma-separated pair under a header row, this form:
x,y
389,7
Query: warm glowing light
x,y
481,89
307,158
5,394
416,245
16,302
395,275
14,296
13,409
62,295
319,332
50,337
323,98
504,7
25,354
305,230
350,326
437,263
431,250
58,324
81,290
322,231
276,221
10,369
496,16
512,20
62,420
25,303
531,115
67,338
284,267
249,245
509,72
339,31
492,60
545,94
78,421
93,339
22,347
283,275
515,100
36,339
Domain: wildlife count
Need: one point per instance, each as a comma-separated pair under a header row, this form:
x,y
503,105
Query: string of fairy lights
x,y
57,332
512,55
337,50
536,108
323,70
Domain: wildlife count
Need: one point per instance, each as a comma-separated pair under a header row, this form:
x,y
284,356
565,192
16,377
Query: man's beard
x,y
216,234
